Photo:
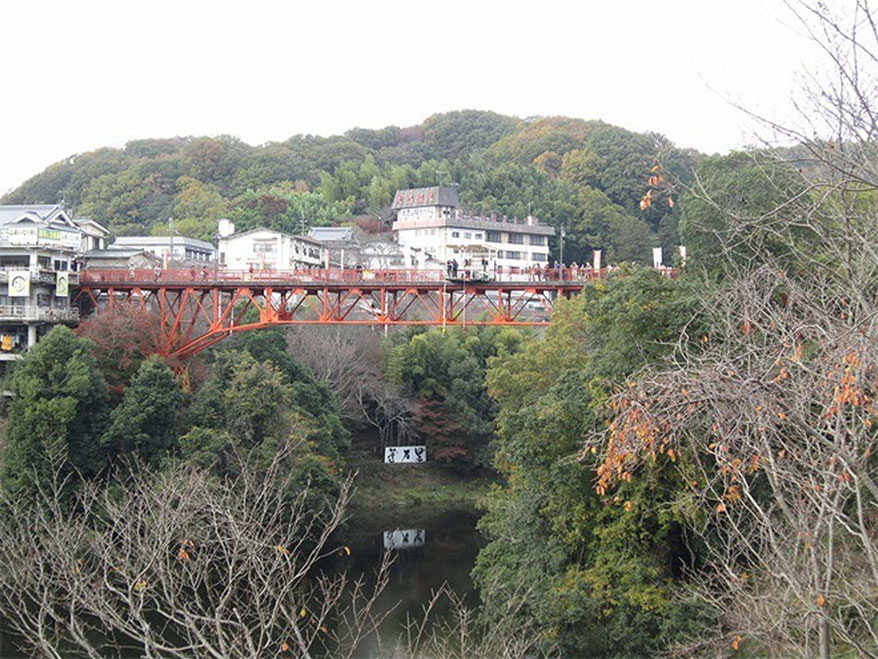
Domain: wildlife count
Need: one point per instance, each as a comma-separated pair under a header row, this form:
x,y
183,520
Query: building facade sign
x,y
29,236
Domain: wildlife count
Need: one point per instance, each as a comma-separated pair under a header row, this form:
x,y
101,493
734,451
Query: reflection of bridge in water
x,y
198,307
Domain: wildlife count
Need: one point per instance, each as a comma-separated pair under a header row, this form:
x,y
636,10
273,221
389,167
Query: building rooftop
x,y
116,253
240,234
162,241
492,223
87,221
331,234
437,195
39,213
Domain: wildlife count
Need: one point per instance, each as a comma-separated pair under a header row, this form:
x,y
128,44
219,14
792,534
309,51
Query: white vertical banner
x,y
597,259
19,283
62,284
682,255
656,257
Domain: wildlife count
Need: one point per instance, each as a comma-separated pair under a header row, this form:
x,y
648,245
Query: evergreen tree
x,y
57,413
143,423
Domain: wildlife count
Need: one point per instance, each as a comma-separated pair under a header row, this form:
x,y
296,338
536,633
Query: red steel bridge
x,y
197,307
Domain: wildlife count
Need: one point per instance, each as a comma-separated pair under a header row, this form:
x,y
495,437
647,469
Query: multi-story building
x,y
267,249
38,249
170,248
430,219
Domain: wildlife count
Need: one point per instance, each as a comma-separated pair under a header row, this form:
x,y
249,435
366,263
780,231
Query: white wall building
x,y
429,219
176,248
267,249
94,235
38,249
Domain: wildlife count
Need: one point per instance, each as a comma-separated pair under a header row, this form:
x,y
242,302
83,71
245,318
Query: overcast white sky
x,y
78,75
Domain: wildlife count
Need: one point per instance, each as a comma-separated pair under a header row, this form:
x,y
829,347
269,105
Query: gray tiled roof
x,y
331,234
438,195
12,213
117,253
161,241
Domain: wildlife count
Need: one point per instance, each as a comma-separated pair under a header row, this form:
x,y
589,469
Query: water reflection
x,y
447,556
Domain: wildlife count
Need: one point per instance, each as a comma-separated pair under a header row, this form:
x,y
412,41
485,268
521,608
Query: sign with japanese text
x,y
404,539
405,454
15,236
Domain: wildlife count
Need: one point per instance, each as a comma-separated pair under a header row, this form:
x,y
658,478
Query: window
x,y
494,237
468,234
537,240
455,234
516,238
539,257
513,255
264,246
477,236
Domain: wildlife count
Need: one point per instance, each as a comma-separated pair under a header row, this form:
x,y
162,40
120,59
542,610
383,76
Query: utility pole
x,y
561,259
171,245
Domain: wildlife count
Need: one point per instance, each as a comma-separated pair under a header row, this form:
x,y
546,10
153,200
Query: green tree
x,y
57,414
143,424
732,215
599,573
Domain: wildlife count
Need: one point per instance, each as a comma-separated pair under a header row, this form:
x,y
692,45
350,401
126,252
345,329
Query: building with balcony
x,y
39,245
267,249
430,219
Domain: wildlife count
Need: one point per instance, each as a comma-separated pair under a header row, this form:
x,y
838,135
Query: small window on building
x,y
468,234
538,240
477,236
513,255
494,237
455,234
540,258
516,238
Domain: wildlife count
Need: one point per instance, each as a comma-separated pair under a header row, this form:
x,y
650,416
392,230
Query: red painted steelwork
x,y
198,307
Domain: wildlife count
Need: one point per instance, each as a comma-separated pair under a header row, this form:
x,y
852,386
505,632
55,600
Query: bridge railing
x,y
224,276
214,276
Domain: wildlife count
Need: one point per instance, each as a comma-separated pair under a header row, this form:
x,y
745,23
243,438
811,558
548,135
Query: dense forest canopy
x,y
588,176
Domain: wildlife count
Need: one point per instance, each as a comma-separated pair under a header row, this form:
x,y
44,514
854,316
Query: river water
x,y
450,545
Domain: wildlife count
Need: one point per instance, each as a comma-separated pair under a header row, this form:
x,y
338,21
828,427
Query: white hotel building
x,y
430,219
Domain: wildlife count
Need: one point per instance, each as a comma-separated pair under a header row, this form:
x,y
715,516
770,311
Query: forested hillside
x,y
586,175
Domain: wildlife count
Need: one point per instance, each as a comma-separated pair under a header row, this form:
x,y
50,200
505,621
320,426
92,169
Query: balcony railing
x,y
31,313
38,275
